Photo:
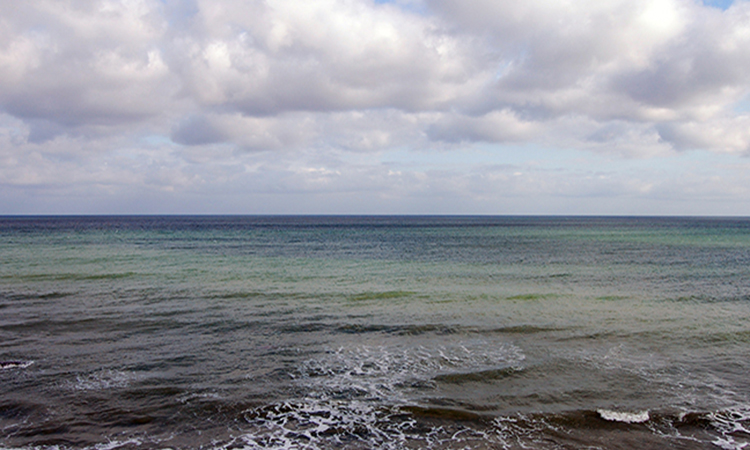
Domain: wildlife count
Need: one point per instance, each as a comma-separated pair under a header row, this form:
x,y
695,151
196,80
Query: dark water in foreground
x,y
374,332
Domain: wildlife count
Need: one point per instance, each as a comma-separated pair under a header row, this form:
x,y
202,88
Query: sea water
x,y
374,332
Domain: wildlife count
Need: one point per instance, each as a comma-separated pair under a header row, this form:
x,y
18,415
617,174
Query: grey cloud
x,y
197,130
725,135
41,130
287,131
496,126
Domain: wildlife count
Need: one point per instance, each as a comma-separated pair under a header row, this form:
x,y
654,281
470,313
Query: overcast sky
x,y
375,107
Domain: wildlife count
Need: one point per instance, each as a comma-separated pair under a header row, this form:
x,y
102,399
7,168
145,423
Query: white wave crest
x,y
354,395
102,380
734,425
392,373
626,417
5,365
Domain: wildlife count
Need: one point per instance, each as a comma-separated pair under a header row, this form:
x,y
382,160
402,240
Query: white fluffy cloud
x,y
82,64
224,97
265,58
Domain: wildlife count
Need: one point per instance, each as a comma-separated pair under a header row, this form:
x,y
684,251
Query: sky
x,y
586,107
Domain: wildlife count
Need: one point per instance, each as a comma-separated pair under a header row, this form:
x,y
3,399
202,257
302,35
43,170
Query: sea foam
x,y
5,365
626,417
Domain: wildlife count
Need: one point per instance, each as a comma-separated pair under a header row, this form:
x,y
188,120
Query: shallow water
x,y
374,332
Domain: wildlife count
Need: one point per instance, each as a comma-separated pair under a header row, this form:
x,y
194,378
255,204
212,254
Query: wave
x,y
528,329
386,295
390,373
6,365
78,276
313,422
334,424
625,417
103,380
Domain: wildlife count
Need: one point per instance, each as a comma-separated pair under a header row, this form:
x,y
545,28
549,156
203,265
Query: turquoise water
x,y
374,332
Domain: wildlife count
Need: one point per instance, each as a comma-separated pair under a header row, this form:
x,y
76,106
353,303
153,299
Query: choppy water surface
x,y
374,332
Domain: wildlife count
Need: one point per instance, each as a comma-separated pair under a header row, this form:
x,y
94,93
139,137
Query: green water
x,y
362,332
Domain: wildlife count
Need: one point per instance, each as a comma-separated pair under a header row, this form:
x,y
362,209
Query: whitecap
x,y
112,445
104,379
626,417
729,443
5,365
353,396
390,373
732,423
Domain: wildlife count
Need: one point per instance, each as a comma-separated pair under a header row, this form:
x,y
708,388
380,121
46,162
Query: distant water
x,y
374,332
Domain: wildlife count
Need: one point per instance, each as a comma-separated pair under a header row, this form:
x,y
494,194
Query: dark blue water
x,y
374,332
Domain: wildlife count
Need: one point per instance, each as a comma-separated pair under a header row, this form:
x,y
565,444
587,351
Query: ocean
x,y
374,332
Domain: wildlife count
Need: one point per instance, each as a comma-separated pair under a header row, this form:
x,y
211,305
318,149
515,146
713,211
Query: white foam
x,y
112,445
102,380
319,425
353,395
5,365
626,417
729,423
729,443
389,374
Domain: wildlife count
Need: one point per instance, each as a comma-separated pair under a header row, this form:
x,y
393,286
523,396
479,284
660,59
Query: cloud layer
x,y
363,106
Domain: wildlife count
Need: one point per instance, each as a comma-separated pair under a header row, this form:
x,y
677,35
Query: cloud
x,y
495,126
229,96
76,66
249,133
699,74
267,58
82,64
634,60
728,135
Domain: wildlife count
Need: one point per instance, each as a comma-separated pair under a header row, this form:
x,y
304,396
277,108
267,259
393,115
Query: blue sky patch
x,y
721,4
